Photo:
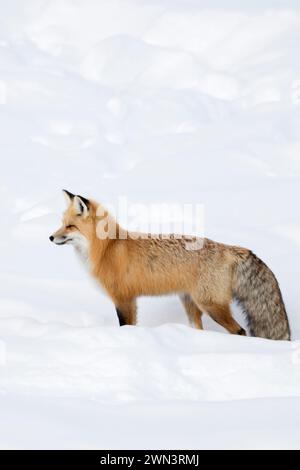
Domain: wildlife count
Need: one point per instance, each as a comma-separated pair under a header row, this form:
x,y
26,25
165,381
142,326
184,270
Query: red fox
x,y
207,279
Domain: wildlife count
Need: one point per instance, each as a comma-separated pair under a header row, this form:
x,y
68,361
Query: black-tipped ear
x,y
85,201
68,196
81,205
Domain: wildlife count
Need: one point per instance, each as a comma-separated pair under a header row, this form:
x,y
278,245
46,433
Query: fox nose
x,y
51,238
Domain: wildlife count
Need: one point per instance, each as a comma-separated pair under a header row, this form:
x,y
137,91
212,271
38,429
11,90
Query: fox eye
x,y
71,226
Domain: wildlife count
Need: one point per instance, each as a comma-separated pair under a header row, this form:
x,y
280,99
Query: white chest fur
x,y
82,249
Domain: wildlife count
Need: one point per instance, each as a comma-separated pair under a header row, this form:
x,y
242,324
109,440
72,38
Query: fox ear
x,y
68,196
81,205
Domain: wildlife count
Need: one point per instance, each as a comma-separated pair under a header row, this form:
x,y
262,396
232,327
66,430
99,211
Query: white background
x,y
158,101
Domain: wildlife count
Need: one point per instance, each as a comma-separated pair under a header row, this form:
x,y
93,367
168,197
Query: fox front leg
x,y
126,312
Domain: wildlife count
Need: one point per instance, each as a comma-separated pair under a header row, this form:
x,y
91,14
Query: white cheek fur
x,y
81,246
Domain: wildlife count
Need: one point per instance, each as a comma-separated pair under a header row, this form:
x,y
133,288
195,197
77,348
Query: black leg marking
x,y
242,332
121,317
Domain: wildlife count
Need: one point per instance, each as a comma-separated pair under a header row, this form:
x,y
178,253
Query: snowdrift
x,y
169,101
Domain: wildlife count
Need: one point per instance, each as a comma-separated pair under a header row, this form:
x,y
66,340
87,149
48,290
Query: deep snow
x,y
169,101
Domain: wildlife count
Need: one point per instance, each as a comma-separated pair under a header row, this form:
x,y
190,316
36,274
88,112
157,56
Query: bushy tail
x,y
257,291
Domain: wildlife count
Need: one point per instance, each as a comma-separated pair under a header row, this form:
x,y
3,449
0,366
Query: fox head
x,y
78,222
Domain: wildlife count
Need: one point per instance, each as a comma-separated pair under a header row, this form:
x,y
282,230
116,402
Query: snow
x,y
166,101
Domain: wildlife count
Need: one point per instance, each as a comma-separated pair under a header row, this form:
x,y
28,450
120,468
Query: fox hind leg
x,y
192,310
222,315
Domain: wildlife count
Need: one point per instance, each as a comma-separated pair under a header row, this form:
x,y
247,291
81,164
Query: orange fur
x,y
128,268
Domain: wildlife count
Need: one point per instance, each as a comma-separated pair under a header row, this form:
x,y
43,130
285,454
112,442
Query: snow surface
x,y
160,101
